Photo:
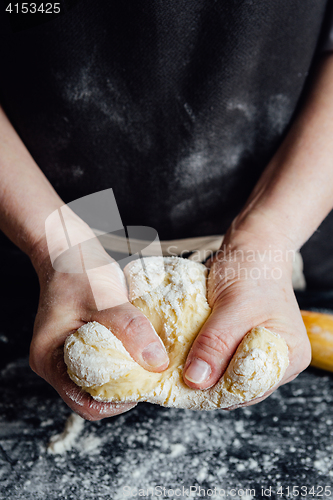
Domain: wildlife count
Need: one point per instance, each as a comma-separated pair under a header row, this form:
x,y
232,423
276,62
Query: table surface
x,y
284,442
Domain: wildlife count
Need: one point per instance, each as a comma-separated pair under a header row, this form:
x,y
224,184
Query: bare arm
x,y
295,193
26,196
292,197
66,301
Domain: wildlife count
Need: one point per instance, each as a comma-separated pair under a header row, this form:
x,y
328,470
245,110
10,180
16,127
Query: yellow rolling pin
x,y
319,327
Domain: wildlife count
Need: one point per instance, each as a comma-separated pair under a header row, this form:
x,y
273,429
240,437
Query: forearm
x,y
295,193
26,196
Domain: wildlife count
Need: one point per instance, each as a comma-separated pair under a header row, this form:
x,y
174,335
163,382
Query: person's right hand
x,y
66,303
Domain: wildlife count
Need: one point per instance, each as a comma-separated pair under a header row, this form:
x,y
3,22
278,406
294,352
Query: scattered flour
x,y
60,443
150,445
177,450
69,439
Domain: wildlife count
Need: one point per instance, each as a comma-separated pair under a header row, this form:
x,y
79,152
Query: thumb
x,y
214,347
124,320
137,335
225,328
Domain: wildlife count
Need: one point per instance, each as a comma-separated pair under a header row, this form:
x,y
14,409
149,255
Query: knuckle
x,y
214,342
136,325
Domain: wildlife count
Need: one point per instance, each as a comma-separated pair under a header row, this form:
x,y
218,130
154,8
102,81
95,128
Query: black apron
x,y
176,105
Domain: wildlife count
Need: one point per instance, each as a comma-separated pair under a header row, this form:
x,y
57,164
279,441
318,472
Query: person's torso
x,y
176,105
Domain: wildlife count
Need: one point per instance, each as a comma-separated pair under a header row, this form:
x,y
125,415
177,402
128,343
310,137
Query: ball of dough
x,y
171,292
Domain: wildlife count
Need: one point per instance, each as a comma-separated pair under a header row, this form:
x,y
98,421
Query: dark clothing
x,y
176,105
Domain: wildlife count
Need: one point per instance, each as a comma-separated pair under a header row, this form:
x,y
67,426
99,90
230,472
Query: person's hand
x,y
249,285
288,203
67,301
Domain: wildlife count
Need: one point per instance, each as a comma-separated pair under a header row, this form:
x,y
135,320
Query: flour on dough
x,y
171,292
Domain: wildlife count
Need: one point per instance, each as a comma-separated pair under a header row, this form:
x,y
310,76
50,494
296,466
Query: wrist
x,y
68,246
259,228
40,258
255,239
58,247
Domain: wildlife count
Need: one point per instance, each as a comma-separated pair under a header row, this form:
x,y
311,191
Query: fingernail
x,y
154,355
198,371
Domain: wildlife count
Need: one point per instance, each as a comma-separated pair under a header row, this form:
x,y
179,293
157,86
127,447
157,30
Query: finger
x,y
75,397
219,337
213,349
47,360
125,321
137,334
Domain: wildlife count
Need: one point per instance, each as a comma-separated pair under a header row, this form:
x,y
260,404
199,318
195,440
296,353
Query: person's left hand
x,y
249,285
